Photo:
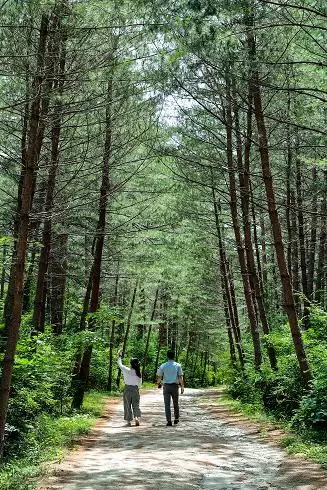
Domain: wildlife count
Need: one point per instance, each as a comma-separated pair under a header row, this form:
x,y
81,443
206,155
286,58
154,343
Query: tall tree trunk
x,y
244,181
320,290
303,258
232,351
313,235
288,297
140,326
146,350
25,200
3,270
58,52
162,334
256,243
295,249
81,379
195,358
187,354
86,302
7,313
34,122
264,252
29,279
231,287
239,242
112,336
290,237
58,276
204,368
231,312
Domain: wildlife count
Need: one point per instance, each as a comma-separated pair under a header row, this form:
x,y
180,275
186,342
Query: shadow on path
x,y
202,452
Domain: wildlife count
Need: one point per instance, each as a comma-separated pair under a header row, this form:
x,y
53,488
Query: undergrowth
x,y
47,441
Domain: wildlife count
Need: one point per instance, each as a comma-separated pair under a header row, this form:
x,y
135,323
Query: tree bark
x,y
231,312
256,244
239,242
112,337
58,52
295,249
3,270
313,236
25,199
288,296
320,290
244,182
232,351
34,123
58,276
162,334
303,258
146,350
81,379
140,326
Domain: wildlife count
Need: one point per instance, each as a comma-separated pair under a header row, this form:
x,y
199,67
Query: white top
x,y
130,376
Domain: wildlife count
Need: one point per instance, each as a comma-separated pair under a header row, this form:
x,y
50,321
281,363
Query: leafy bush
x,y
318,324
41,382
282,392
46,439
312,411
279,391
313,407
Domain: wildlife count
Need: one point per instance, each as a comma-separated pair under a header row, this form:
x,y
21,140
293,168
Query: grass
x,y
307,444
48,441
253,411
311,444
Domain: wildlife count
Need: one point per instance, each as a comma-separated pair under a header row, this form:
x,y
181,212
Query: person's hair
x,y
135,364
170,354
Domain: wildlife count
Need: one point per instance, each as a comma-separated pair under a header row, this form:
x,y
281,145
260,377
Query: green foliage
x,y
161,227
99,367
281,393
242,387
41,378
312,412
47,439
317,331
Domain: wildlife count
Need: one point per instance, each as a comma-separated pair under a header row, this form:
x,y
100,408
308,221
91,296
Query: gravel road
x,y
205,451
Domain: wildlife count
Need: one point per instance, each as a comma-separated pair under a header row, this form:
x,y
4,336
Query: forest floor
x,y
211,448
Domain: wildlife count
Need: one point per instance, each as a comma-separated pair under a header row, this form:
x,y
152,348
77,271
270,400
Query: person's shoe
x,y
176,421
137,422
169,424
128,424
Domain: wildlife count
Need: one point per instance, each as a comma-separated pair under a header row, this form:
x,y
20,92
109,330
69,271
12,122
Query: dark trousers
x,y
131,402
171,391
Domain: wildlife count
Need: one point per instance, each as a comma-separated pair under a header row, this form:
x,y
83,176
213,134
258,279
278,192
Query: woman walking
x,y
133,380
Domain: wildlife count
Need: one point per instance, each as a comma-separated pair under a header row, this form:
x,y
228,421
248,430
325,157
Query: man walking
x,y
171,375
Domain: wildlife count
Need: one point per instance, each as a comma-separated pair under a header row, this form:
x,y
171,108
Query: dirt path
x,y
203,452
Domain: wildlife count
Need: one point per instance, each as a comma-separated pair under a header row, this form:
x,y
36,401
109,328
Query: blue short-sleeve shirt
x,y
170,371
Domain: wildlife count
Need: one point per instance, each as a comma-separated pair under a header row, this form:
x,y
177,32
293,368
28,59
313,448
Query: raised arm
x,y
120,363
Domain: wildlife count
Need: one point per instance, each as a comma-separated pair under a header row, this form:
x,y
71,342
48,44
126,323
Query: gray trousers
x,y
131,402
171,391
